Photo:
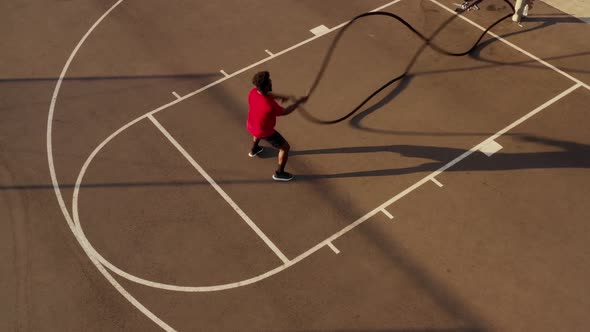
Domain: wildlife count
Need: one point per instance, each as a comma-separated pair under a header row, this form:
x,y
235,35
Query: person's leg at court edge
x,y
256,148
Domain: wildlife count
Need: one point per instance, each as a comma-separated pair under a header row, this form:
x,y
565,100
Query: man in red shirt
x,y
262,118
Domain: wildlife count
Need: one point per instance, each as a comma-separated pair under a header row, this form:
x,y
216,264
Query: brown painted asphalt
x,y
501,246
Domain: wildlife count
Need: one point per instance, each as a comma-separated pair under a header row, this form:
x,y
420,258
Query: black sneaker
x,y
254,152
282,176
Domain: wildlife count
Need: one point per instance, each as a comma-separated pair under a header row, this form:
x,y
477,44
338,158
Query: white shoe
x,y
515,18
256,152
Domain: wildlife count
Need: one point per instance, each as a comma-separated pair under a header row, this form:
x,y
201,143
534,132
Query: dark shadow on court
x,y
111,78
572,155
554,19
493,63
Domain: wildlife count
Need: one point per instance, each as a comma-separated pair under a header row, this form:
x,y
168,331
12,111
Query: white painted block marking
x,y
385,212
490,147
320,30
333,248
437,183
224,73
269,52
176,95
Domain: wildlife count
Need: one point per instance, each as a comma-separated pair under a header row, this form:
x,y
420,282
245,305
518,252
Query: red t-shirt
x,y
262,115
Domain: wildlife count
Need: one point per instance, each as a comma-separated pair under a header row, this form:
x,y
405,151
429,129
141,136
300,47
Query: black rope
x,y
427,42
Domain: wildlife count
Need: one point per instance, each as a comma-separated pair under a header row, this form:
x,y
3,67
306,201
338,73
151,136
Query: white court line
x,y
221,192
383,7
436,182
176,95
62,205
530,55
269,52
385,212
224,73
333,248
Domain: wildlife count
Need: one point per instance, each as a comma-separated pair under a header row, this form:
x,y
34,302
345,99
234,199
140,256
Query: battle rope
x,y
427,42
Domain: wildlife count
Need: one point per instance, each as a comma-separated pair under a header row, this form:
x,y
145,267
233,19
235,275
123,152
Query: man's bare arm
x,y
280,97
296,104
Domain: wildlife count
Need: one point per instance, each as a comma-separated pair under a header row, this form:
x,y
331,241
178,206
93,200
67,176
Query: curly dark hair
x,y
261,81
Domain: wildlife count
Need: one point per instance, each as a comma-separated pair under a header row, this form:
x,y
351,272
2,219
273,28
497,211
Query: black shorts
x,y
277,140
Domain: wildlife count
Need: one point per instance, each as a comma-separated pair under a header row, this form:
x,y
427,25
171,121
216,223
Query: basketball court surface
x,y
457,199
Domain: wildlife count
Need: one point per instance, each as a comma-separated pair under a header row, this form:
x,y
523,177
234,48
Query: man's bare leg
x,y
256,149
283,157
